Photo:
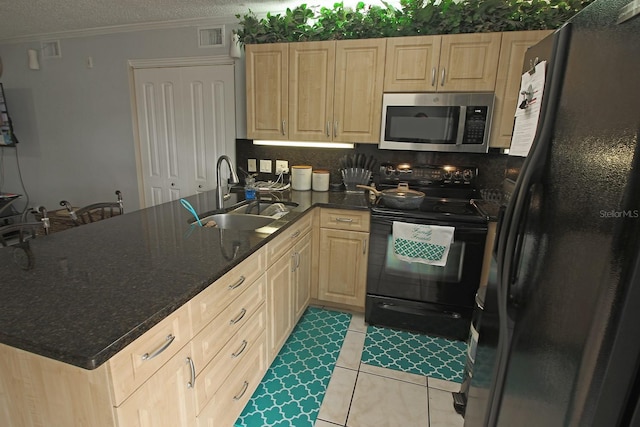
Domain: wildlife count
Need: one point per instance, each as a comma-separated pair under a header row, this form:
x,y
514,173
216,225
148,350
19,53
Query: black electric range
x,y
436,300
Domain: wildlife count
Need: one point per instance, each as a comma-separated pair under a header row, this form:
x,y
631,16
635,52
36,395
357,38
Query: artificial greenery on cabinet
x,y
414,17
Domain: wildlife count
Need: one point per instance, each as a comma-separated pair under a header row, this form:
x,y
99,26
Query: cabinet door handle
x,y
293,262
335,129
238,283
297,260
192,367
157,351
240,350
238,396
433,76
364,247
328,129
338,219
442,78
238,317
284,122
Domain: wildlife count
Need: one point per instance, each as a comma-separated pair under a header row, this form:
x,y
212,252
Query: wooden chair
x,y
95,211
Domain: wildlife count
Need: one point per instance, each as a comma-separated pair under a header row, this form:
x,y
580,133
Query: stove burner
x,y
452,208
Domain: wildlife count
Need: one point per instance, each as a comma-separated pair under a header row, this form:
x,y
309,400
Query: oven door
x,y
416,296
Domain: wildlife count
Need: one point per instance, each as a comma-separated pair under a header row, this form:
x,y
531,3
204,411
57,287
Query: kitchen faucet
x,y
232,180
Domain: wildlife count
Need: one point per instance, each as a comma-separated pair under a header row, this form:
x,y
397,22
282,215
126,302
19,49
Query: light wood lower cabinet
x,y
343,254
232,396
279,303
288,282
166,399
184,370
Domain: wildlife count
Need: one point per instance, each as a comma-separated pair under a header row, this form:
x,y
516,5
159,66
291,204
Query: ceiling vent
x,y
211,36
51,49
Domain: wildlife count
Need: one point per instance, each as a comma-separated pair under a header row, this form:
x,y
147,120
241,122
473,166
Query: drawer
x,y
282,243
232,396
215,335
237,349
344,219
213,300
142,358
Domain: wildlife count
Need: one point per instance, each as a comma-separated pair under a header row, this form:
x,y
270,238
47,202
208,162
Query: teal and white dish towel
x,y
427,244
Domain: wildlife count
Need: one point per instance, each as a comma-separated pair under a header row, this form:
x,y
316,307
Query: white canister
x,y
320,180
301,177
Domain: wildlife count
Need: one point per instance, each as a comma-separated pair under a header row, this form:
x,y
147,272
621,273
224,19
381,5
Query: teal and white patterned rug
x,y
292,390
415,353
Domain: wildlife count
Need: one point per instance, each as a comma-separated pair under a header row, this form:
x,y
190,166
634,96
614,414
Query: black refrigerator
x,y
559,341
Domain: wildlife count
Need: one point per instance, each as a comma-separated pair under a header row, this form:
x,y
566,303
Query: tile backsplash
x,y
491,166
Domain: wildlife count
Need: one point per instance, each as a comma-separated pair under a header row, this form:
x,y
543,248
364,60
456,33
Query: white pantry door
x,y
186,120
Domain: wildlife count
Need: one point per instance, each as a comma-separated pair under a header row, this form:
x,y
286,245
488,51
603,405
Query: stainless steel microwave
x,y
454,122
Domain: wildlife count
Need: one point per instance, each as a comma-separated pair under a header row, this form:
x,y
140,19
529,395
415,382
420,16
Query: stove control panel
x,y
428,174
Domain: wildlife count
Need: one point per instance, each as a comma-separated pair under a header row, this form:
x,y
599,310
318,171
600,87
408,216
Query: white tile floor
x,y
361,395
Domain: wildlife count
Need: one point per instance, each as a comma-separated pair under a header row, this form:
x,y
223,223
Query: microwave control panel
x,y
475,124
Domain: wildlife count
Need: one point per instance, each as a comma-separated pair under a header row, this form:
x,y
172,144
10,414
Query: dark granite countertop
x,y
490,210
96,288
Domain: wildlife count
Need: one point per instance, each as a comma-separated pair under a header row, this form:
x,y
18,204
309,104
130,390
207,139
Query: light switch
x,y
252,165
265,166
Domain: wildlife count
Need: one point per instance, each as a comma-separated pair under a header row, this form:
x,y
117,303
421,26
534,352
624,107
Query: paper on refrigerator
x,y
528,110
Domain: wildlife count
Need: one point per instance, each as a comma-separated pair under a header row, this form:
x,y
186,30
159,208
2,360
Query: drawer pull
x,y
245,386
296,234
338,219
163,347
240,350
238,317
238,283
192,366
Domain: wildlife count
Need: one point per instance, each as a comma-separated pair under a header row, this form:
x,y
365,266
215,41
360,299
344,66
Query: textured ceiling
x,y
22,18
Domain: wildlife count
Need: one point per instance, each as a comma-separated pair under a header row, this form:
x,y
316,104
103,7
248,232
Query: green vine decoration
x,y
414,17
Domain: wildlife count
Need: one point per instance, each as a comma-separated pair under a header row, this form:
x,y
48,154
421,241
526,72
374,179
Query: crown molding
x,y
181,62
125,28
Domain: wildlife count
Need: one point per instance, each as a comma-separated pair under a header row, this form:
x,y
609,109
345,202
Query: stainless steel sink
x,y
265,208
236,221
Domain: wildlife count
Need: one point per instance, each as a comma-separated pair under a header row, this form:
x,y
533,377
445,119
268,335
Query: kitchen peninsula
x,y
96,292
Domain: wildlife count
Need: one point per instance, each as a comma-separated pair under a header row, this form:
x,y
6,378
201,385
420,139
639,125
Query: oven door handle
x,y
419,311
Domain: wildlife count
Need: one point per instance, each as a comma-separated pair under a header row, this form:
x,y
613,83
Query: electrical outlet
x,y
282,166
265,166
252,165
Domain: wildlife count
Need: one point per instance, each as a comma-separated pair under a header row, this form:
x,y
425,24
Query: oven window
x,y
450,273
435,125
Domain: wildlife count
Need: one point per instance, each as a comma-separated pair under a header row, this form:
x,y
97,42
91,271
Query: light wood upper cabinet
x,y
311,89
267,81
512,52
359,82
333,90
412,64
449,63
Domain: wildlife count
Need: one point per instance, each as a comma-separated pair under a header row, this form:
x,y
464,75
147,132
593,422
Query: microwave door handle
x,y
461,124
